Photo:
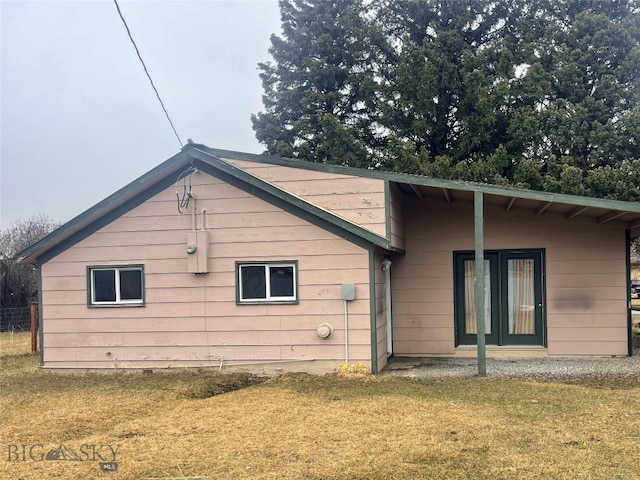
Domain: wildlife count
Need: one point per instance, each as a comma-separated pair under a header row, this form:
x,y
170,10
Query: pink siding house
x,y
224,259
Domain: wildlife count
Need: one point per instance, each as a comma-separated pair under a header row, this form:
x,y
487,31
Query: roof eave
x,y
420,180
32,253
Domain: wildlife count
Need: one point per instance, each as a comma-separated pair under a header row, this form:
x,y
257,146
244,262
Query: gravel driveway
x,y
528,369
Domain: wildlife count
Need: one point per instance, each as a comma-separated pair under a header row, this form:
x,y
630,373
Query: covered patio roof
x,y
570,206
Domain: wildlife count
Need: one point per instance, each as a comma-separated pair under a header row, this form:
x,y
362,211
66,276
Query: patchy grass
x,y
352,370
167,425
14,343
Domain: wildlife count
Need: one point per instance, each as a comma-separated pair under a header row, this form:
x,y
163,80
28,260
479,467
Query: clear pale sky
x,y
79,119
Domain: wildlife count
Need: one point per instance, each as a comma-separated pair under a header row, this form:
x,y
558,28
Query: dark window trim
x,y
91,268
267,301
497,285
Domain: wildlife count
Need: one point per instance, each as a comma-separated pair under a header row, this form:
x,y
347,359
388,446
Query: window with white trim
x,y
272,282
116,285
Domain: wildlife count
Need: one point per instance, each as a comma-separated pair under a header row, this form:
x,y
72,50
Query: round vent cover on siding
x,y
324,330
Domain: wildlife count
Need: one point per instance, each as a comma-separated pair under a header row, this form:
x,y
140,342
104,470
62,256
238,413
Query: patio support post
x,y
627,254
479,280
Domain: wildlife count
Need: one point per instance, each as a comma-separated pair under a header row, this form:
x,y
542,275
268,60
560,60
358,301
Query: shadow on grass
x,y
20,376
217,384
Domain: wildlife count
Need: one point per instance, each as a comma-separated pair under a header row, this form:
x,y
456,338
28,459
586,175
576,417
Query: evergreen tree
x,y
319,87
448,93
584,71
539,94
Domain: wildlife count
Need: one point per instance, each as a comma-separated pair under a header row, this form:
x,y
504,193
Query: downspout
x,y
386,267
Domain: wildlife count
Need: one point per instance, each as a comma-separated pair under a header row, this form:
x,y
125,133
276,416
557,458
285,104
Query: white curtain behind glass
x,y
470,297
521,296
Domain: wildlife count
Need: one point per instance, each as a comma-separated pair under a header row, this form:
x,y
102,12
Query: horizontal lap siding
x,y
585,276
191,319
422,284
357,199
396,216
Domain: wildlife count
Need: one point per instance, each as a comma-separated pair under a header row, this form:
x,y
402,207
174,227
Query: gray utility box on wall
x,y
348,291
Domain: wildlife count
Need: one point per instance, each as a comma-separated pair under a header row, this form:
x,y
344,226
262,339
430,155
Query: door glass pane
x,y
470,297
521,296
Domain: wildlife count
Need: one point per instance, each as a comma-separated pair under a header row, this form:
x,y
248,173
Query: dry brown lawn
x,y
179,425
14,343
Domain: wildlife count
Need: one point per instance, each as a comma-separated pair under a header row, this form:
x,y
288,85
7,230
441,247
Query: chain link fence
x,y
15,319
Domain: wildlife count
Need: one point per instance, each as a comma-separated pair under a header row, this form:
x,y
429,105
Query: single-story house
x,y
220,258
635,283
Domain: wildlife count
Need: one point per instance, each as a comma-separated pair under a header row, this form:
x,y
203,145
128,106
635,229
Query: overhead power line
x,y
147,72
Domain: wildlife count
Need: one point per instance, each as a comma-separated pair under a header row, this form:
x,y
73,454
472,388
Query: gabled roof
x,y
164,176
212,161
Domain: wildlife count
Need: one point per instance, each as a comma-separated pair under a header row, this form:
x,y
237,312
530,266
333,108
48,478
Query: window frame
x,y
498,267
269,299
92,303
